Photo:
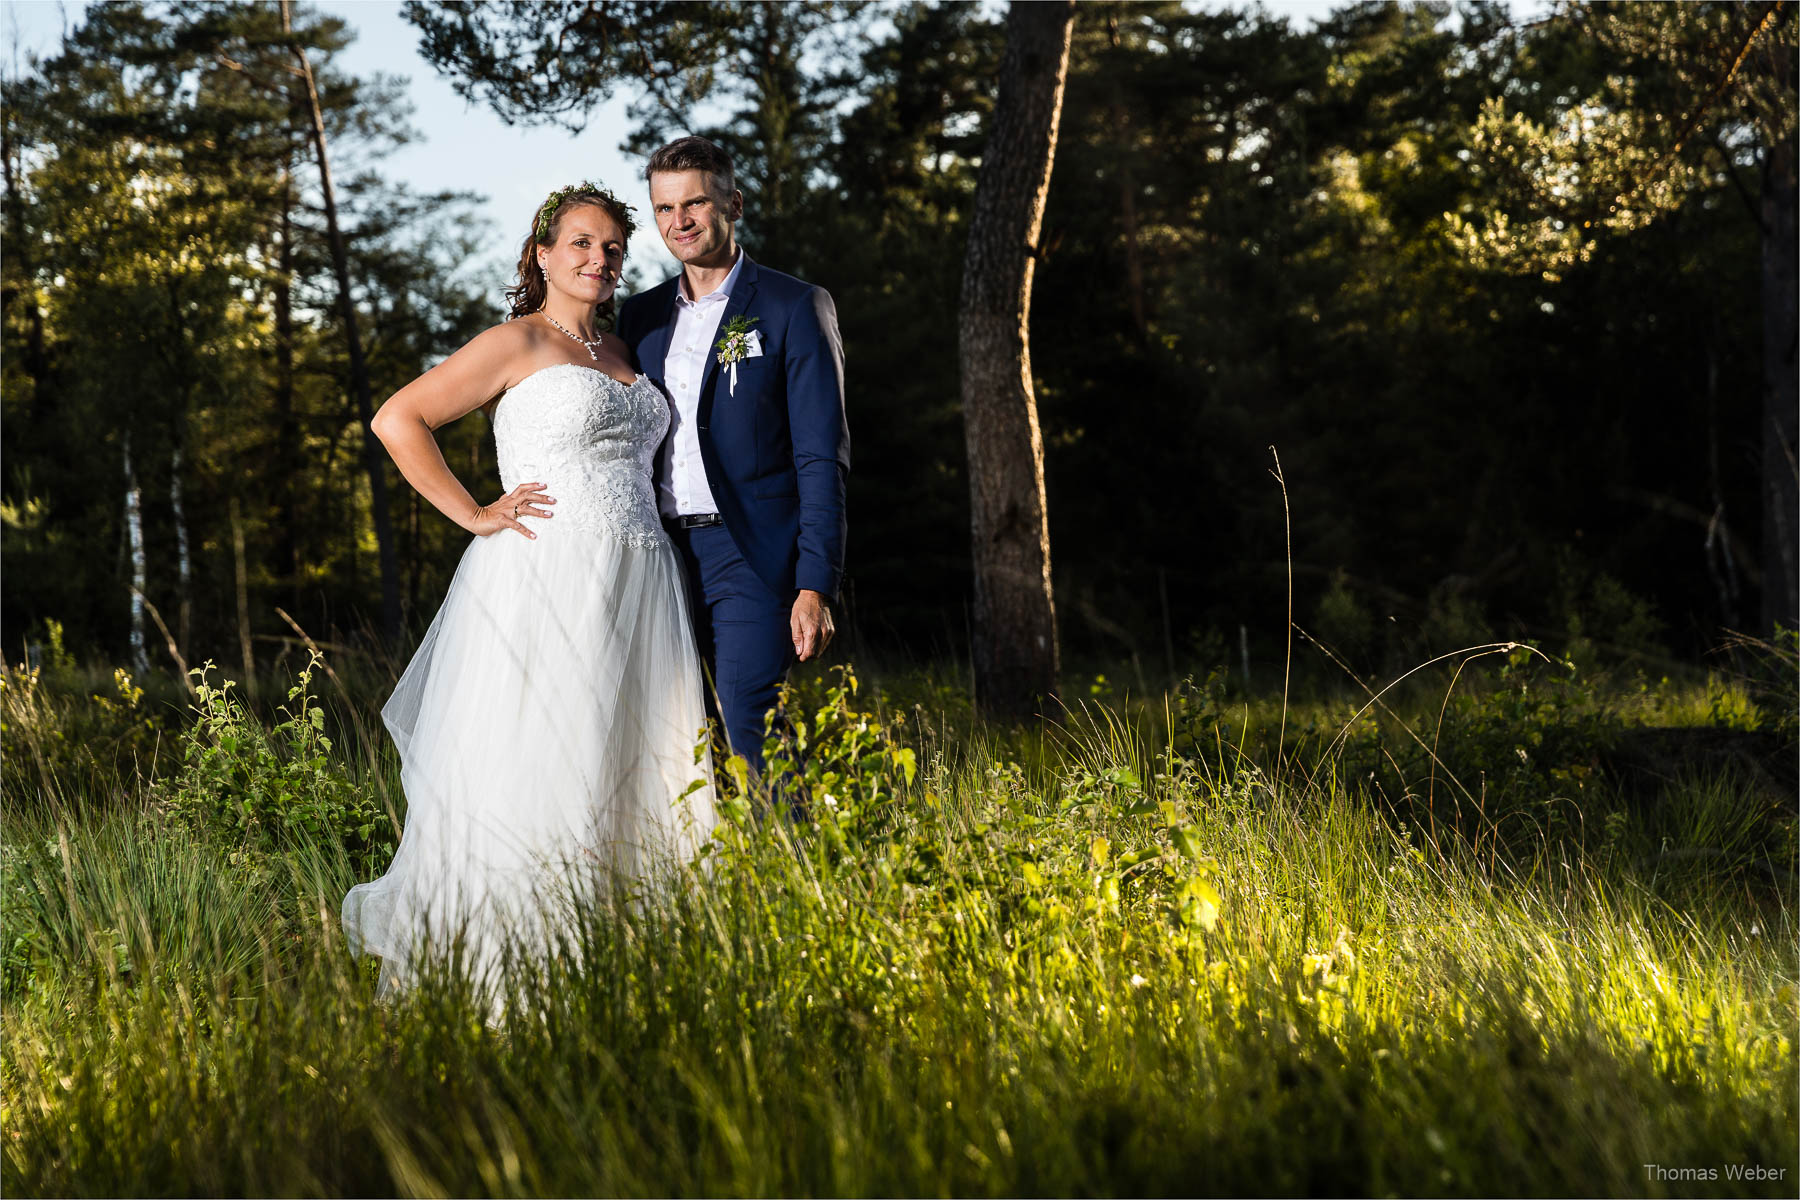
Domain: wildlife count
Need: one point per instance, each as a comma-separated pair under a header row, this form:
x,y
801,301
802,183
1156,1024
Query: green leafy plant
x,y
839,765
270,788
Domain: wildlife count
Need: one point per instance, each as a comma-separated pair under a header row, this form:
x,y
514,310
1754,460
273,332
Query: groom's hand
x,y
811,625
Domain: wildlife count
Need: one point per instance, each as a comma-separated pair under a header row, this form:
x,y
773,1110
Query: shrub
x,y
270,788
837,765
1513,759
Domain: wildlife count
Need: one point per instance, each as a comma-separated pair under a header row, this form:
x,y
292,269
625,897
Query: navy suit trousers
x,y
743,633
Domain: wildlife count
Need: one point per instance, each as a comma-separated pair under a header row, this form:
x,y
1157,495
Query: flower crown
x,y
547,214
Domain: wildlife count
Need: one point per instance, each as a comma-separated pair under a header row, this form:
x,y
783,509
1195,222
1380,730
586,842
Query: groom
x,y
750,479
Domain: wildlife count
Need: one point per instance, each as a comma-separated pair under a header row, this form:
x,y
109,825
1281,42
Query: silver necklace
x,y
585,344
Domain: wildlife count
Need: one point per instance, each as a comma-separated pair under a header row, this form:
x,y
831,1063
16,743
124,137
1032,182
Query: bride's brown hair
x,y
527,294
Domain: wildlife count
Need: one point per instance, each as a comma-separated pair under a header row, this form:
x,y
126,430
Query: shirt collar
x,y
715,297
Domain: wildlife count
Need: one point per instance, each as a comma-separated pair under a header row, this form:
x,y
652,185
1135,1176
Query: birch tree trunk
x,y
374,457
1016,657
140,568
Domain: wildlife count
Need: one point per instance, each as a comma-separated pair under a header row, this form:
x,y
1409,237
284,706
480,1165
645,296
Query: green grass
x,y
1136,953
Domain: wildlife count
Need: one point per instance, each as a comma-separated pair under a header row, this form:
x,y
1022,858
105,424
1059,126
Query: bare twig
x,y
181,667
1437,736
1480,651
284,640
1287,667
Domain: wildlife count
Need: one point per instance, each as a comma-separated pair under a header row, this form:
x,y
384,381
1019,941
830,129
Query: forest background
x,y
1516,388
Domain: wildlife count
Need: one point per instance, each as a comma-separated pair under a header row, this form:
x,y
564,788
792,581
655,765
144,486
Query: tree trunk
x,y
286,467
241,578
773,108
1015,609
184,563
140,566
1781,384
374,457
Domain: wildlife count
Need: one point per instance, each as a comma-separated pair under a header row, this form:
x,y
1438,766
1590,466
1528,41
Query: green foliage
x,y
1771,666
1071,965
774,70
270,789
1252,226
1195,712
1601,619
1344,622
1244,208
843,764
167,270
61,738
848,771
1512,761
1667,88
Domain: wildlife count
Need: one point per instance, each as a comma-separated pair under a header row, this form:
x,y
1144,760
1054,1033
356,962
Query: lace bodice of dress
x,y
591,441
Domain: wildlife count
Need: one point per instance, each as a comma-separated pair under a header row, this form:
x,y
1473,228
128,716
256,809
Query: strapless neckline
x,y
633,382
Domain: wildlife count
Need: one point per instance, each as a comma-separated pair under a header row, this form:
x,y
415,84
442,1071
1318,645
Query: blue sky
x,y
464,147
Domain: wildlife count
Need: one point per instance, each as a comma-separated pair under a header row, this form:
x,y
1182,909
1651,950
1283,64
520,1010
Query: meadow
x,y
1508,930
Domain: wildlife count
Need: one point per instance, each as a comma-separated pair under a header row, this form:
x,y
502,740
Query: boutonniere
x,y
738,342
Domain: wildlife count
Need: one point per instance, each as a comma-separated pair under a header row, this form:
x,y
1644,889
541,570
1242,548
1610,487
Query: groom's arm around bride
x,y
751,478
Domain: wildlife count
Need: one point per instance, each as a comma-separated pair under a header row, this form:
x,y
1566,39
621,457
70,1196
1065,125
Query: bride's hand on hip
x,y
526,500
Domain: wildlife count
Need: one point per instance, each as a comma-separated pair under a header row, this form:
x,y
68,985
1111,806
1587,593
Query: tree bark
x,y
241,578
772,113
1016,653
287,425
140,565
1781,384
374,457
184,562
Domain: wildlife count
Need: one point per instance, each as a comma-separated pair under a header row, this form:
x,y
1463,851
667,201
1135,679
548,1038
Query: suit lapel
x,y
739,303
654,349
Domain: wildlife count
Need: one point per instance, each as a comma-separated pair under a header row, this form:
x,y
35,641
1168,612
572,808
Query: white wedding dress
x,y
548,723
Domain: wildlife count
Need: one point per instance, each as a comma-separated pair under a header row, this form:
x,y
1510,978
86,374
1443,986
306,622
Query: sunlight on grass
x,y
1132,953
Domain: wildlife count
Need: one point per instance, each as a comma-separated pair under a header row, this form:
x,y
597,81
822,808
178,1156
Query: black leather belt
x,y
694,521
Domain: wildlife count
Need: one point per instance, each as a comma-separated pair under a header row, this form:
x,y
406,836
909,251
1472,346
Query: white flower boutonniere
x,y
737,343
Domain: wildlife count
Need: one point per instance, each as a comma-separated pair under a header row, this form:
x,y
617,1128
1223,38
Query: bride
x,y
547,724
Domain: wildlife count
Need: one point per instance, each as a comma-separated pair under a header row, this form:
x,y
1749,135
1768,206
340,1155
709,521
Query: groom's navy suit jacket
x,y
777,448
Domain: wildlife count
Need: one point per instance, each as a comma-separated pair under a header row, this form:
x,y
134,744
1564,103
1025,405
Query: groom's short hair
x,y
695,154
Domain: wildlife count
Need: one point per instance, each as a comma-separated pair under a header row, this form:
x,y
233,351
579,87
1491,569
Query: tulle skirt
x,y
547,729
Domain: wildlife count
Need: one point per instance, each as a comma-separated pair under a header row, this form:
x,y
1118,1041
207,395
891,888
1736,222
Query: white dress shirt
x,y
683,490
